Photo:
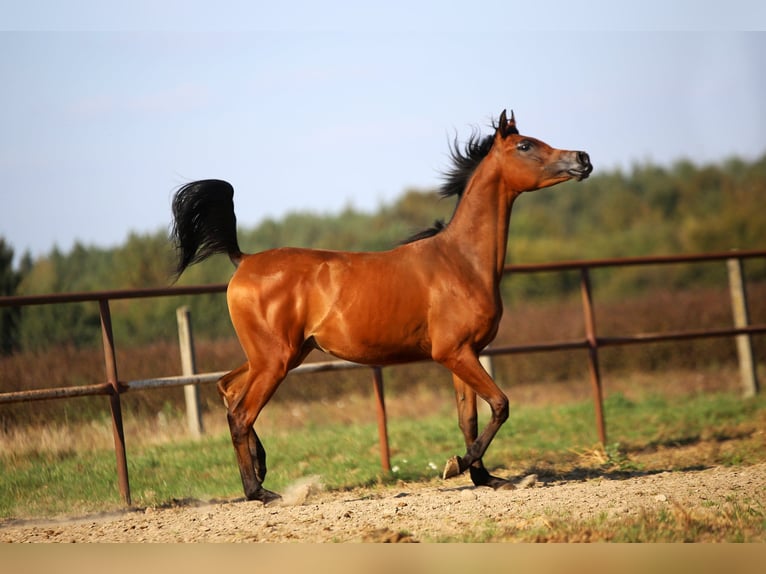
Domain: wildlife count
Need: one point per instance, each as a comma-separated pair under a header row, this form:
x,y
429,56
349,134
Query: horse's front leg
x,y
465,397
465,366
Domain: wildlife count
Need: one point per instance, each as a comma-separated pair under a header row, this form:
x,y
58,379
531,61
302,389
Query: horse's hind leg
x,y
258,454
245,393
251,471
465,398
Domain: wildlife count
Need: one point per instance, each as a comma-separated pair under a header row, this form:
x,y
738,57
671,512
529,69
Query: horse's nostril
x,y
583,157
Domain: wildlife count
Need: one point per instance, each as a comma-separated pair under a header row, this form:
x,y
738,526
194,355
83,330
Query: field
x,y
685,459
686,465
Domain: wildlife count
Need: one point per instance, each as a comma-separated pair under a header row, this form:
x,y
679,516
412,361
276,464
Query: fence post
x,y
189,367
385,452
742,319
590,334
487,363
110,366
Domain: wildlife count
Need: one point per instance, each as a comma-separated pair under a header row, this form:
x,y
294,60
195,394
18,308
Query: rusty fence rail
x,y
592,342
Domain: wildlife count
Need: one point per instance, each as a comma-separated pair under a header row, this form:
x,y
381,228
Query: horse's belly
x,y
377,354
375,343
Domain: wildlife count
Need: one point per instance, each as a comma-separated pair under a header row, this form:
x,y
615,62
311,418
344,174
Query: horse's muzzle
x,y
585,167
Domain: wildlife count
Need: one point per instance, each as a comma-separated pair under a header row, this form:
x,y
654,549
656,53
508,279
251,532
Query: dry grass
x,y
168,424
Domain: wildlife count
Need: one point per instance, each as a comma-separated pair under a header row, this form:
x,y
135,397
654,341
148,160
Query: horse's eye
x,y
524,145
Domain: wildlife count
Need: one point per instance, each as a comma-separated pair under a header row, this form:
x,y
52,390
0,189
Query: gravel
x,y
409,512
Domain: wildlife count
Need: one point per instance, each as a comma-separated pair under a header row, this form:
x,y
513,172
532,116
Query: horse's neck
x,y
480,224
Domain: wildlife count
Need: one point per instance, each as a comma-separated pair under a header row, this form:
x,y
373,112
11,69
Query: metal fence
x,y
591,343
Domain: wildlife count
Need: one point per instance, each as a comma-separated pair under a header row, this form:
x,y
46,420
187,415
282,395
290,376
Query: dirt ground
x,y
417,512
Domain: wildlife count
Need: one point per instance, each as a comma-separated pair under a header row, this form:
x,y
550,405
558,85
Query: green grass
x,y
556,440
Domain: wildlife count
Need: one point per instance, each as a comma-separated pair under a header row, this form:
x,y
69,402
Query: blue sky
x,y
102,116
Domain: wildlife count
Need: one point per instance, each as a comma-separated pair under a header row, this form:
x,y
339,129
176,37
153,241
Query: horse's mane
x,y
464,163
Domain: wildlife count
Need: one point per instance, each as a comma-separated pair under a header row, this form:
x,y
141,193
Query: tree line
x,y
648,210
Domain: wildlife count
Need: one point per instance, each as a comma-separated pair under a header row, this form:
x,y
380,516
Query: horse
x,y
435,297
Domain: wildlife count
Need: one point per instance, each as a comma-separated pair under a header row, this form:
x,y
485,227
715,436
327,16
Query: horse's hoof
x,y
270,498
265,496
452,468
497,483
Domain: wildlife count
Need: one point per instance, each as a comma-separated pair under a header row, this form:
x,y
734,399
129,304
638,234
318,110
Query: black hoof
x,y
497,483
481,477
265,496
271,498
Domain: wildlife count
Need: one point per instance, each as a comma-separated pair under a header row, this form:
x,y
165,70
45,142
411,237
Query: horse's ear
x,y
512,125
506,126
502,124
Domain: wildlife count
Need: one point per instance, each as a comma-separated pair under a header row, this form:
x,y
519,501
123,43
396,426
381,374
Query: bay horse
x,y
434,297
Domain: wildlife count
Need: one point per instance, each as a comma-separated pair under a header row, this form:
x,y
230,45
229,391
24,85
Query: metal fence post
x,y
593,368
385,451
742,319
189,367
110,365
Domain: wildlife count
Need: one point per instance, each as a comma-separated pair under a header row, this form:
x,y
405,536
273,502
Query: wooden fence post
x,y
489,366
487,363
189,367
742,319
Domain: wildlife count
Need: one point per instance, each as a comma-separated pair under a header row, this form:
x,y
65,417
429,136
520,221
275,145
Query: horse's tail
x,y
204,222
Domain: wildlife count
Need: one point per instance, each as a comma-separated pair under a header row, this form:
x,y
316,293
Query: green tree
x,y
9,316
647,210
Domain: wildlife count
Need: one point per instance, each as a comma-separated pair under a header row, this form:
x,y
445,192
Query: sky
x,y
107,108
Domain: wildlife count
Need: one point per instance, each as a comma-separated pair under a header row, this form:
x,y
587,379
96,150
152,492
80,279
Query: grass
x,y
648,433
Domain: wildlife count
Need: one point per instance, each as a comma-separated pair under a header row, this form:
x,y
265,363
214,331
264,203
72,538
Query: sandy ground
x,y
416,512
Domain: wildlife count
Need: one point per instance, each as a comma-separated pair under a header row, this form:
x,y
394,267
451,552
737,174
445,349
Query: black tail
x,y
204,222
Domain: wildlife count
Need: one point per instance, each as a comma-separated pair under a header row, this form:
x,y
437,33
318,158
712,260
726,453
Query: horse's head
x,y
528,163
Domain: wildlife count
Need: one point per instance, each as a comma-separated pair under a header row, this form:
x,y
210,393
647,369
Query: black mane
x,y
464,163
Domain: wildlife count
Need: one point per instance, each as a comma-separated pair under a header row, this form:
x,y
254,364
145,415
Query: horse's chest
x,y
475,316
